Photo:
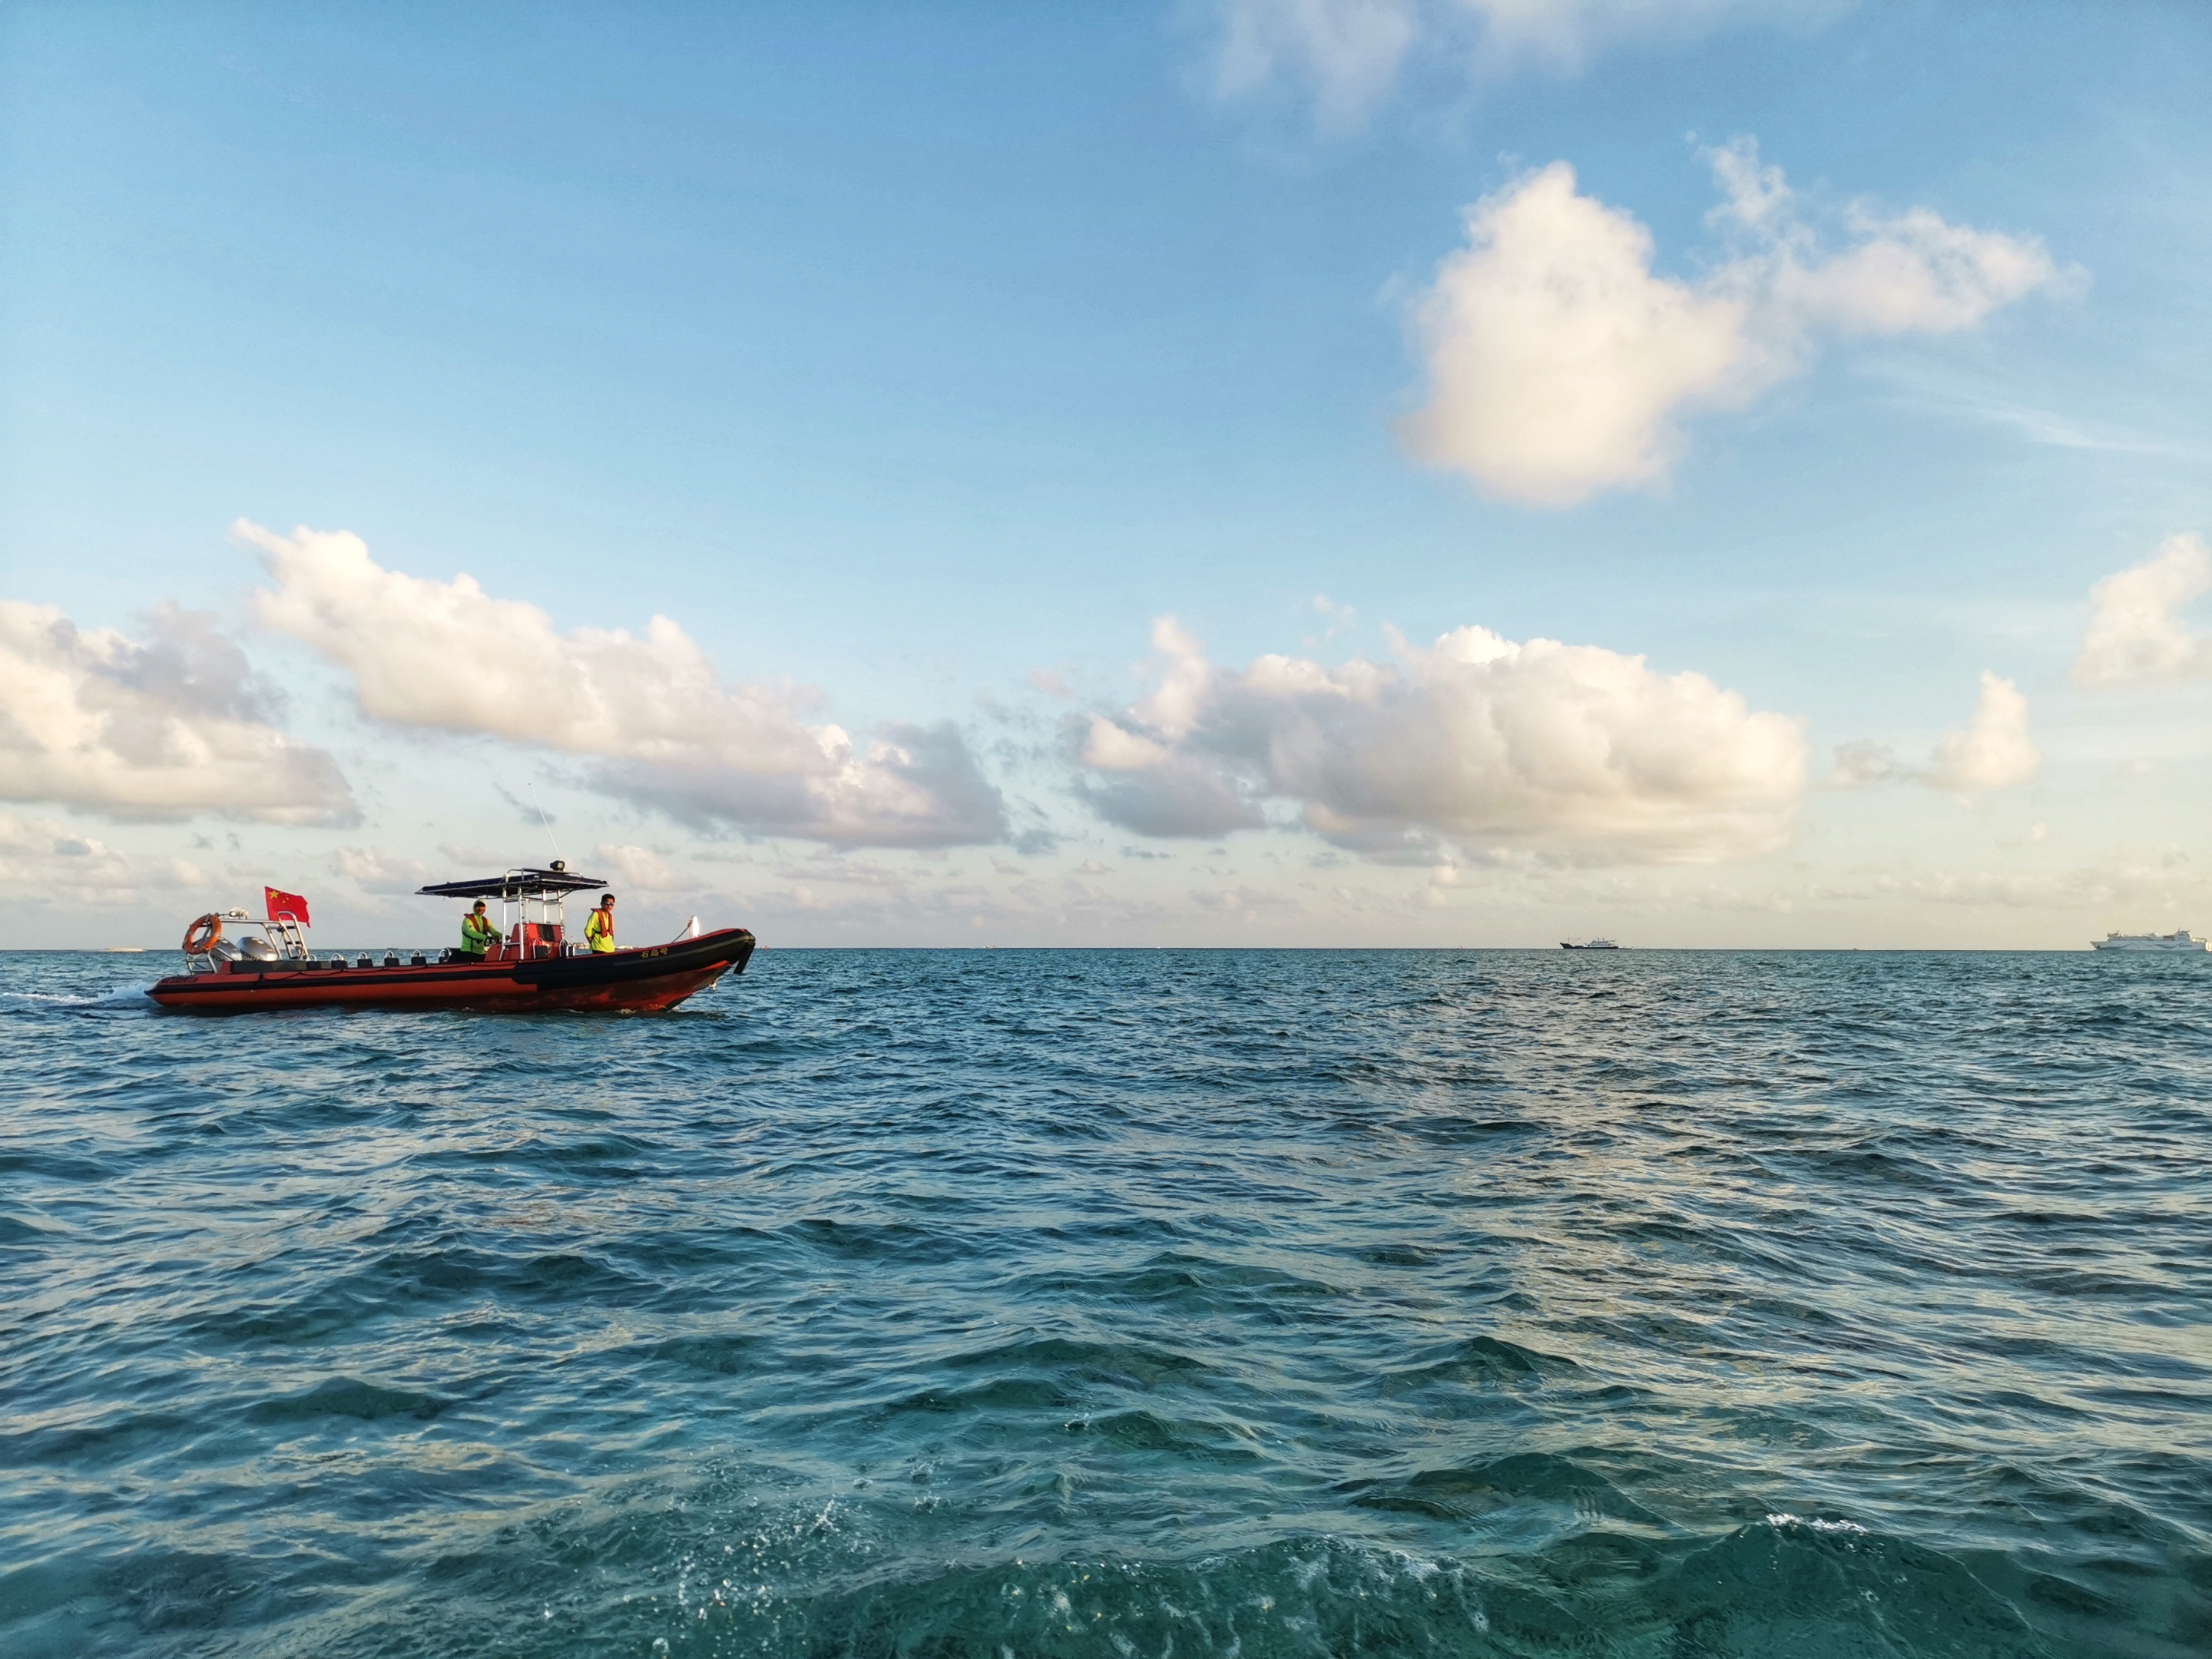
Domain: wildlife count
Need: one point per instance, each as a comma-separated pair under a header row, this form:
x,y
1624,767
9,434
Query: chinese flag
x,y
282,905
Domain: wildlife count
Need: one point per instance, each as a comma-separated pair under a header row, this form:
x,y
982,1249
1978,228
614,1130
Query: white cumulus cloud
x,y
164,727
1566,749
1991,751
660,723
1560,363
1994,750
2137,633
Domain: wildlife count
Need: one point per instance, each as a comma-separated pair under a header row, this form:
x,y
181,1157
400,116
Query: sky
x,y
1239,472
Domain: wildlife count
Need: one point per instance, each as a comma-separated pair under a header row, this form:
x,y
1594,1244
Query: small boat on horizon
x,y
2177,940
530,966
1590,944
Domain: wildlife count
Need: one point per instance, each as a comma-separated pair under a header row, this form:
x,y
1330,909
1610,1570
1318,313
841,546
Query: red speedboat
x,y
531,966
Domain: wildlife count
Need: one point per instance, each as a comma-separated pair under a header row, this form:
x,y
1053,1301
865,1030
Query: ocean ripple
x,y
1121,1303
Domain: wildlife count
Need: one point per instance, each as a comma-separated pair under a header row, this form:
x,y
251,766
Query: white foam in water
x,y
1783,1519
124,996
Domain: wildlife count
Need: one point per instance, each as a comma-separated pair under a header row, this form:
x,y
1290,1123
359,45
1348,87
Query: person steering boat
x,y
479,932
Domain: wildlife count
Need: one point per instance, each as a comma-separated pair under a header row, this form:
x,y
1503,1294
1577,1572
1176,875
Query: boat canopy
x,y
515,884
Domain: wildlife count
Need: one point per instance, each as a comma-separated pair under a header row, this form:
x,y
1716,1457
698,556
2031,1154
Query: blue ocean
x,y
1147,1303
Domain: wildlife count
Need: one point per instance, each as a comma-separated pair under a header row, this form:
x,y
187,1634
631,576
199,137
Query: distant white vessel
x,y
2175,941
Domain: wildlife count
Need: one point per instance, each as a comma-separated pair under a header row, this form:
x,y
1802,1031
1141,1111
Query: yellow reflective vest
x,y
479,933
599,931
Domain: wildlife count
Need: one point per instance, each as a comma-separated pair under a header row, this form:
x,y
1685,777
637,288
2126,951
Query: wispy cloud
x,y
47,863
1342,57
2152,888
1917,387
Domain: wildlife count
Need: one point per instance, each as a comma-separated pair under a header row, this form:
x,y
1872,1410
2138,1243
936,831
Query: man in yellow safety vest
x,y
479,932
600,926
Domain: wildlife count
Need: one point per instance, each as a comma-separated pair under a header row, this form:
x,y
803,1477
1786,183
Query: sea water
x,y
1121,1303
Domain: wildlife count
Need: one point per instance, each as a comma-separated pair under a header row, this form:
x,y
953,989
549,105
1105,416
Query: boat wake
x,y
130,997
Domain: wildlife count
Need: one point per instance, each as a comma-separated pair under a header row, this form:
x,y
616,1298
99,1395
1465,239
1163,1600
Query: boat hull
x,y
620,981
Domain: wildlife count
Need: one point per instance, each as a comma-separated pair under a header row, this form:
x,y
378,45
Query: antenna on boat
x,y
558,864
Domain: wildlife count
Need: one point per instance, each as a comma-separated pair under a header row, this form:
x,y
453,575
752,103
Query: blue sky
x,y
905,352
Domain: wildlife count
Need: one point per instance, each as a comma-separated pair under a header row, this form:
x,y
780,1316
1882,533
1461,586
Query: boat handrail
x,y
287,941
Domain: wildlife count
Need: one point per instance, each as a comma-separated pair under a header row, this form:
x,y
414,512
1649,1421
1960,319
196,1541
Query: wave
x,y
1773,1587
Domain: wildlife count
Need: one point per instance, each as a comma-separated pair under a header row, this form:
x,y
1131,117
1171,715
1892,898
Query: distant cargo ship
x,y
2174,941
1592,944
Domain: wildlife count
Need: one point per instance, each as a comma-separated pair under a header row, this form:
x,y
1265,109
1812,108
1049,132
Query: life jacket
x,y
478,933
599,931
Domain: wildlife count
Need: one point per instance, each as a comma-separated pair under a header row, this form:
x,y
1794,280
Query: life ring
x,y
199,943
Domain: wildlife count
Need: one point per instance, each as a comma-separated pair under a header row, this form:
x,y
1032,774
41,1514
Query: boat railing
x,y
288,943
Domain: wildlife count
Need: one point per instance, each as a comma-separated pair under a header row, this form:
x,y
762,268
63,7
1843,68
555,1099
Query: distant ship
x,y
1595,944
2174,941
